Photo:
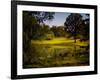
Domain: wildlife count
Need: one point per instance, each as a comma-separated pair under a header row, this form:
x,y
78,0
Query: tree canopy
x,y
42,16
75,25
32,28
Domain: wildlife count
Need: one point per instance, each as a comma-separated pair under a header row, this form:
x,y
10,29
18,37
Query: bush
x,y
49,35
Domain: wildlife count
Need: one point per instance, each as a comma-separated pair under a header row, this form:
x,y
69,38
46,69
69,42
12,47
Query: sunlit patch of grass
x,y
61,40
68,47
53,41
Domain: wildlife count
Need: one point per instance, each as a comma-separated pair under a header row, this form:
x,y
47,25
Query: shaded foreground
x,y
58,52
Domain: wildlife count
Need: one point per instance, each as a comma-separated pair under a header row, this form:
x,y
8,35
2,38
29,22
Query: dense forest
x,y
56,45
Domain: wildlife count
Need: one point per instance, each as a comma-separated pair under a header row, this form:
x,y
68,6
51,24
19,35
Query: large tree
x,y
32,29
84,27
72,24
87,24
31,24
32,21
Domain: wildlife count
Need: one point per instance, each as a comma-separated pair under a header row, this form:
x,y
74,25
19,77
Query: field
x,y
60,40
58,52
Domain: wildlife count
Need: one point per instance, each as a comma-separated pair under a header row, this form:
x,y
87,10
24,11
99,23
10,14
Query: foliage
x,y
86,23
76,25
42,16
32,28
59,31
72,23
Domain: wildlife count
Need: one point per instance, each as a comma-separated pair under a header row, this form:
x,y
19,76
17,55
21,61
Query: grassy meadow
x,y
58,52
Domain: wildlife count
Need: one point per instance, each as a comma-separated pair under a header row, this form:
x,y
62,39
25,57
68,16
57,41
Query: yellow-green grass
x,y
53,41
60,40
69,47
84,43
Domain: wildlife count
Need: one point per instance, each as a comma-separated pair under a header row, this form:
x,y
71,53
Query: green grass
x,y
60,40
53,41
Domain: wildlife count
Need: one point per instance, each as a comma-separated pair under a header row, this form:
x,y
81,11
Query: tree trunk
x,y
75,35
74,39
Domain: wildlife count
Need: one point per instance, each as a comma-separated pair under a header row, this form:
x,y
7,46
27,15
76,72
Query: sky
x,y
59,19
